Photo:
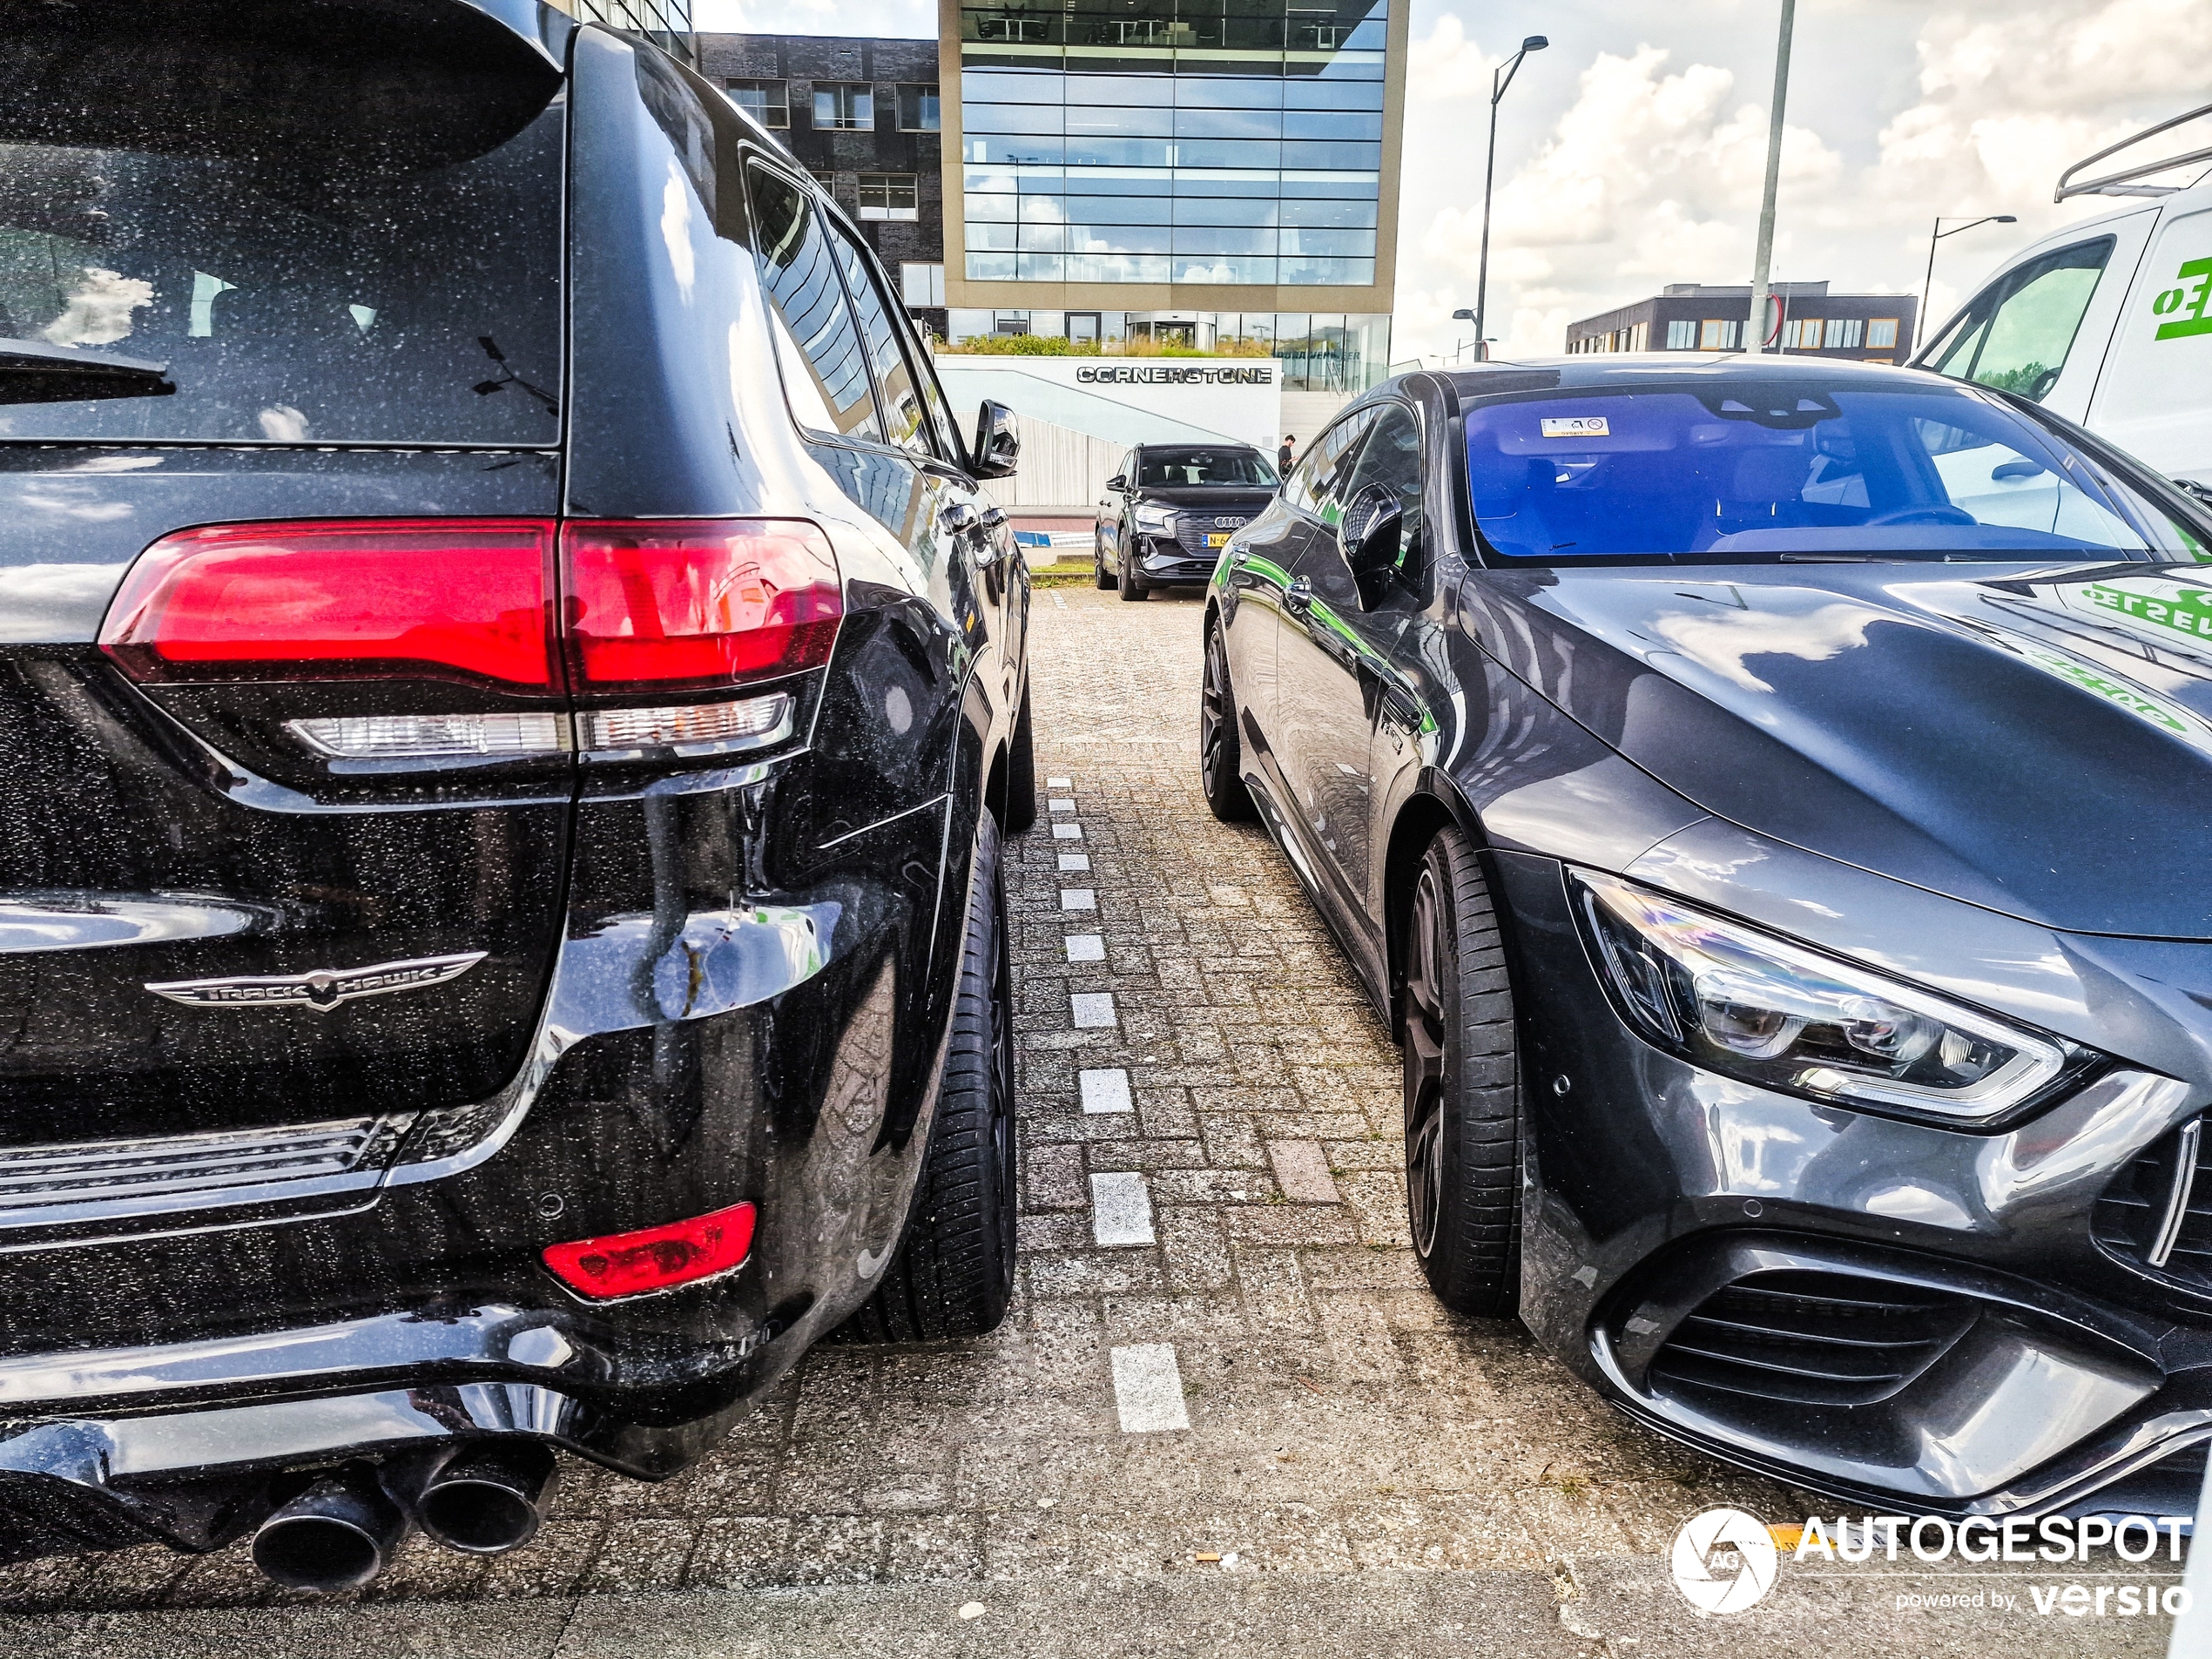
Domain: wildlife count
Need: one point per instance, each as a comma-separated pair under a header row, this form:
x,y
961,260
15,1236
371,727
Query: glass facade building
x,y
1211,169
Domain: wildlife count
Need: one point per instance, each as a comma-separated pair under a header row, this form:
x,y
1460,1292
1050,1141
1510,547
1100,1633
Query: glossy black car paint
x,y
1922,801
1164,561
709,982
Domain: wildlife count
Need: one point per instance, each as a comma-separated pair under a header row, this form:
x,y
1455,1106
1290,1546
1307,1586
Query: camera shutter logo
x,y
1717,1587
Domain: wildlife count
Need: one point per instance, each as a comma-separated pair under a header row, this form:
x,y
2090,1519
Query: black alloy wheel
x,y
1462,1090
952,1273
1220,747
1132,585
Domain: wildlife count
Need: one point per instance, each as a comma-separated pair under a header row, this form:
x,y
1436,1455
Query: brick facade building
x,y
1690,316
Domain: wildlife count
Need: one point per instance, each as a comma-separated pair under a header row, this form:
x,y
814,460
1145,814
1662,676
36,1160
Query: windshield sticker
x,y
2190,300
1576,426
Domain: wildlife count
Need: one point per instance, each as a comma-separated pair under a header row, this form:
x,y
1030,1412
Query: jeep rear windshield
x,y
1763,471
314,242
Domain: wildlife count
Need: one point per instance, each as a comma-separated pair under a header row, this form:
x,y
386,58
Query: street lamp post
x,y
1927,282
1755,327
1500,79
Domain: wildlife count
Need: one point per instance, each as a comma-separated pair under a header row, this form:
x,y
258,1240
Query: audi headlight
x,y
1741,1002
1154,520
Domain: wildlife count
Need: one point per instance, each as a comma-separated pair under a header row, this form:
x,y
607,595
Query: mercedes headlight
x,y
1154,520
1739,1001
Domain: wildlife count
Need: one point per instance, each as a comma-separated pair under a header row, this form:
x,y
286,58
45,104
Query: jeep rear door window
x,y
825,366
304,280
1762,471
2017,332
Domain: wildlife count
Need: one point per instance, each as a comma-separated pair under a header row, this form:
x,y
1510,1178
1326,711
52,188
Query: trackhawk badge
x,y
322,990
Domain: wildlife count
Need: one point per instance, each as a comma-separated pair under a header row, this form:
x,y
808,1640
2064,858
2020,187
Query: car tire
x,y
952,1273
1021,772
1132,585
1220,745
1462,1094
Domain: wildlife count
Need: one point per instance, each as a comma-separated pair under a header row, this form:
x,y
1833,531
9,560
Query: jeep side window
x,y
2016,336
825,366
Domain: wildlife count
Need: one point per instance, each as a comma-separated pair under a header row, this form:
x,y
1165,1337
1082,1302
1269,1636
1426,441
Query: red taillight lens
x,y
336,600
656,1258
697,602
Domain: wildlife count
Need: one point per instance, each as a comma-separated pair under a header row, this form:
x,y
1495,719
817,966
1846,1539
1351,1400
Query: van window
x,y
818,346
2016,336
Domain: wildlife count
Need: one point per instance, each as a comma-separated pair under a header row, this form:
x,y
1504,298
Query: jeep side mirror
x,y
1117,482
998,442
1370,539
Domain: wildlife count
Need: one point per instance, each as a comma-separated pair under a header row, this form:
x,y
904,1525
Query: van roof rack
x,y
2120,184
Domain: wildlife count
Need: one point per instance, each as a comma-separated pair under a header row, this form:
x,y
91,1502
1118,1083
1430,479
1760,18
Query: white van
x,y
2108,322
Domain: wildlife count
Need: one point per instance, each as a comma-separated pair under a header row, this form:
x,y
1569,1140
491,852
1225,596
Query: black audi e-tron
x,y
1768,797
510,697
1170,509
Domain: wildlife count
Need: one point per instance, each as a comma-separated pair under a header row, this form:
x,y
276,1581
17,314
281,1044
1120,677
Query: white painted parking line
x,y
1148,1389
1078,898
1302,1170
1105,1092
1121,1209
1067,831
1086,947
1061,804
1074,861
1060,783
1093,1010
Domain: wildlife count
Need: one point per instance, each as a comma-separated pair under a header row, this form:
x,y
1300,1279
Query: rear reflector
x,y
335,600
697,602
655,1259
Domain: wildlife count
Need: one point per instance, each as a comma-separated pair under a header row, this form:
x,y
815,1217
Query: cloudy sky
x,y
1629,153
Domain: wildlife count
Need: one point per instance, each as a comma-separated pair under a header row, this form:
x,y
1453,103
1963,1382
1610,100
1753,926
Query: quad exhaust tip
x,y
490,1500
338,1534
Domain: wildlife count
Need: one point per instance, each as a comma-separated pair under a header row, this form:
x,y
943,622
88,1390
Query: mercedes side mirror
x,y
998,442
1371,538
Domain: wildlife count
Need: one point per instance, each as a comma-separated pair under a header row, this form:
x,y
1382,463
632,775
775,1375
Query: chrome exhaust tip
x,y
338,1534
489,1500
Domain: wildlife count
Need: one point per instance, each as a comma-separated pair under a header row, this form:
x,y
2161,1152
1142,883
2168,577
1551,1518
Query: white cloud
x,y
1649,172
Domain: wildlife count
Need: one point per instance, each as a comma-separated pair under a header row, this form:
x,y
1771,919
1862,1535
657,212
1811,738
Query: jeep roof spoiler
x,y
2120,184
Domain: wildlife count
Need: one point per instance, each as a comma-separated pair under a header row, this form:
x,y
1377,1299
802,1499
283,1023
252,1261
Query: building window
x,y
889,195
1640,337
918,109
844,106
1010,322
1843,333
1718,334
1681,335
1881,333
766,102
826,180
922,285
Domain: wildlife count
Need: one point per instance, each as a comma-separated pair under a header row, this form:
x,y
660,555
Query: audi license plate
x,y
1218,538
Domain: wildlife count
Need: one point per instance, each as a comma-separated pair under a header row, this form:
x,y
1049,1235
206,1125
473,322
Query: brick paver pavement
x,y
1338,1420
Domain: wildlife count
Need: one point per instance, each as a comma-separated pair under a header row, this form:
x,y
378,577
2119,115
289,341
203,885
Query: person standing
x,y
1283,455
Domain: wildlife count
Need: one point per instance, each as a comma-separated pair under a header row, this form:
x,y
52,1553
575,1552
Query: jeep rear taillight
x,y
657,605
387,598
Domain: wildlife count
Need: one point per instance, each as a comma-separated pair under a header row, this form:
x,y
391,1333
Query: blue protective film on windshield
x,y
1761,469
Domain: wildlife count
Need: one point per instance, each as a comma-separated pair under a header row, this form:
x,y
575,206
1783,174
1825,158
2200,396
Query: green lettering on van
x,y
2191,301
2189,611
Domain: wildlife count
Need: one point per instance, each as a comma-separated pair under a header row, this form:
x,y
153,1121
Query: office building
x,y
665,22
1689,316
862,115
1197,171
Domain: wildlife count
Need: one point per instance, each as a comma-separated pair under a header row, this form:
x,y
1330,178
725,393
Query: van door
x,y
2154,397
